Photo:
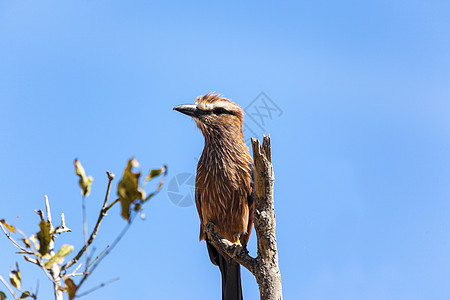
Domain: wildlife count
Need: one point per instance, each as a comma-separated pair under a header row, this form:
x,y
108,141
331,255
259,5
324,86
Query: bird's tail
x,y
231,274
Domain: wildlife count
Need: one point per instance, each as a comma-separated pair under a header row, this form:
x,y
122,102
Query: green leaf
x,y
2,296
11,228
128,188
71,288
44,237
58,258
15,277
85,182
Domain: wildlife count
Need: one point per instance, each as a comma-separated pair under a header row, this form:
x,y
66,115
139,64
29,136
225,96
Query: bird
x,y
224,189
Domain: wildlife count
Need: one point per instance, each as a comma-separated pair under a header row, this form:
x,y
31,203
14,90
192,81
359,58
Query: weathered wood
x,y
265,266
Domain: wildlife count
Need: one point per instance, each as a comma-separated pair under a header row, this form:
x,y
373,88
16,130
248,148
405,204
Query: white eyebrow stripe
x,y
211,106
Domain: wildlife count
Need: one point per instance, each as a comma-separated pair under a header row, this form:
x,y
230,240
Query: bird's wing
x,y
198,204
212,251
251,204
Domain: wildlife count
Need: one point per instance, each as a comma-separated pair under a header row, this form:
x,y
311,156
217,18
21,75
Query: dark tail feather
x,y
231,274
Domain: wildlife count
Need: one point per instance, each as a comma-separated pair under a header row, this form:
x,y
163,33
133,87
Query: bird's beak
x,y
187,109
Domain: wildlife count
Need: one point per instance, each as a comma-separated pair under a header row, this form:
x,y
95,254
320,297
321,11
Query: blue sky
x,y
361,149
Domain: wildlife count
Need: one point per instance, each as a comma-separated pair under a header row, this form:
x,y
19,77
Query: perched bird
x,y
224,183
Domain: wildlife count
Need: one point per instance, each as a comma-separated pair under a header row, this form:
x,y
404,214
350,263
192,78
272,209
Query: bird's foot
x,y
236,244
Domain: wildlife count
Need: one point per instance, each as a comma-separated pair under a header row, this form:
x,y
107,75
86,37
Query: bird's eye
x,y
219,111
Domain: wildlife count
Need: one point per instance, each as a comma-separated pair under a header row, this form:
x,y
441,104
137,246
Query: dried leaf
x,y
15,277
85,182
44,237
164,171
25,294
26,242
71,288
2,296
11,228
58,258
152,174
128,188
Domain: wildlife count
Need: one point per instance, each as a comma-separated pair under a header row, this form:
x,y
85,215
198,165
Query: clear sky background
x,y
361,144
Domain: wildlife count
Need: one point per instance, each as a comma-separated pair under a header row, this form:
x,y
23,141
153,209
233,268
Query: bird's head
x,y
214,114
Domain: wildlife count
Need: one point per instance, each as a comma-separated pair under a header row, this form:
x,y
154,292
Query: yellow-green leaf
x,y
11,228
15,277
71,288
85,182
34,240
58,258
2,296
44,237
128,188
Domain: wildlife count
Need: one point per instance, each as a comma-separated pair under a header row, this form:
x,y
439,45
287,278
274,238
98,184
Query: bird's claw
x,y
210,228
237,249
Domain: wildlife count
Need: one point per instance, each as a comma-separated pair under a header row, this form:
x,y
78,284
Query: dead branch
x,y
96,228
14,241
9,288
265,266
107,250
97,287
239,253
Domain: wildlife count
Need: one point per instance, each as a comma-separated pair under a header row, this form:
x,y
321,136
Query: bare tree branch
x,y
236,251
62,228
9,288
95,259
265,266
97,287
47,210
109,249
112,204
97,225
85,228
38,263
269,276
14,242
55,270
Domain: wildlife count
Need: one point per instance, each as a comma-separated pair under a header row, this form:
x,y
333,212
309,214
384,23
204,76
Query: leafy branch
x,y
39,249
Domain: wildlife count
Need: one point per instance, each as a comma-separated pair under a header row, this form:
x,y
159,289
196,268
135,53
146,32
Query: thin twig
x,y
62,228
118,238
112,204
116,241
74,274
37,289
9,288
47,210
97,287
14,242
98,256
96,228
83,205
38,263
40,214
92,253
